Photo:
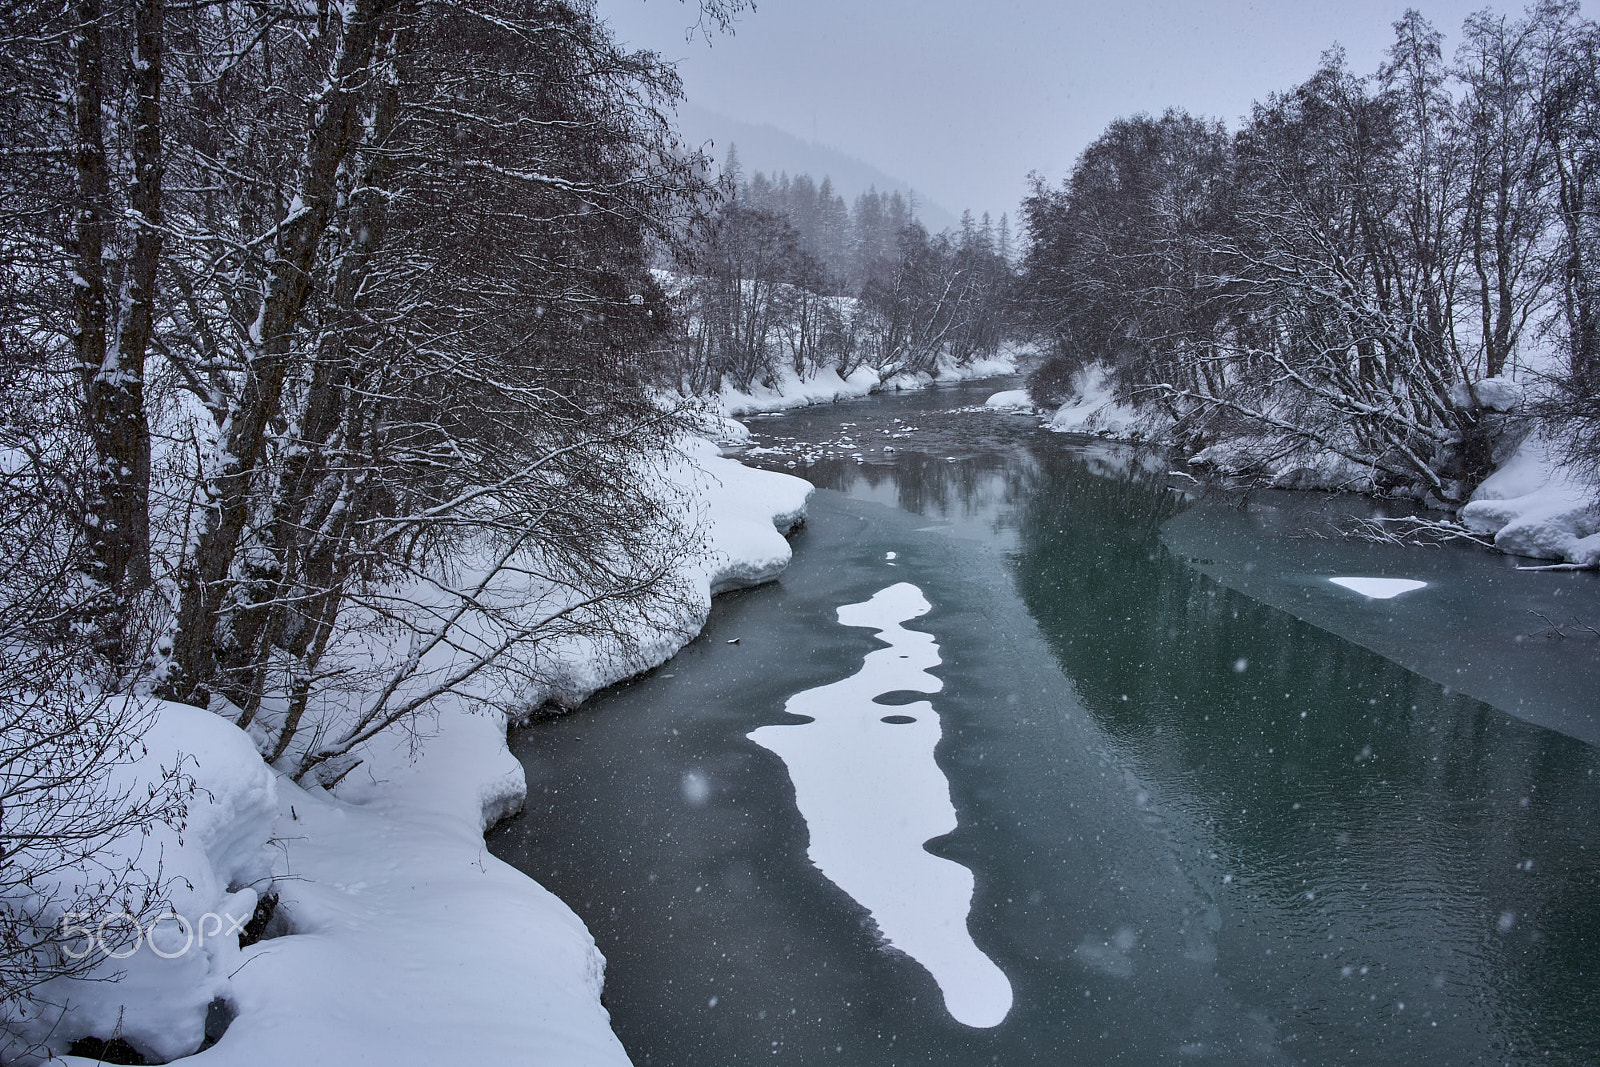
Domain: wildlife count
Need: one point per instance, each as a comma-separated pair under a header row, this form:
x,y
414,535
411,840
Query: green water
x,y
1202,828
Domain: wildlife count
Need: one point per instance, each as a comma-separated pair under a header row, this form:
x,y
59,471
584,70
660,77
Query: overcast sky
x,y
962,98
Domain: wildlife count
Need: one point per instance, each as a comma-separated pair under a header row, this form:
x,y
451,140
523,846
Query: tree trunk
x,y
111,353
206,592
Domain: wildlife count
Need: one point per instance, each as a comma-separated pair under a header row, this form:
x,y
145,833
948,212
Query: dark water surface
x,y
1211,817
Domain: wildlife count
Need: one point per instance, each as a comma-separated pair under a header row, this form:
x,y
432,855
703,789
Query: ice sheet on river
x,y
872,796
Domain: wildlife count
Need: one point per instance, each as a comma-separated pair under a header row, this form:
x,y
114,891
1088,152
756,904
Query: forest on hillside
x,y
1401,269
781,279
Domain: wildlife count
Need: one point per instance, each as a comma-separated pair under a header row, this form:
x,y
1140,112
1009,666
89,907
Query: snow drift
x,y
397,938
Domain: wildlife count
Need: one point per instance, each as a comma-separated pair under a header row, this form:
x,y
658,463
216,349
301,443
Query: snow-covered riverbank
x,y
827,387
401,940
1531,506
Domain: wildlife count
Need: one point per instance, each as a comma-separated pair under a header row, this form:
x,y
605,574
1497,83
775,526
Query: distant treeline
x,y
1342,273
783,276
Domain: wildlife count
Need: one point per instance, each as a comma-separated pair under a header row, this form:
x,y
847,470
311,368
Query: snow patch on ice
x,y
1380,588
872,796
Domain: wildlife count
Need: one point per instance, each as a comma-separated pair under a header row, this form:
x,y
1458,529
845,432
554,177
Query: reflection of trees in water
x,y
1314,762
920,483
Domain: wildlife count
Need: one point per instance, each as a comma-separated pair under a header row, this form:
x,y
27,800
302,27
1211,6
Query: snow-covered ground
x,y
792,391
826,387
401,940
1094,409
1533,506
208,869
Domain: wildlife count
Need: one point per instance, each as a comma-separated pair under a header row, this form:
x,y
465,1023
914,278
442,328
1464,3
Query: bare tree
x,y
1508,205
1306,287
66,744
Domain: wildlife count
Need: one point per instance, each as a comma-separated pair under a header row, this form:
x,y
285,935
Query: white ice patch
x,y
872,796
1379,588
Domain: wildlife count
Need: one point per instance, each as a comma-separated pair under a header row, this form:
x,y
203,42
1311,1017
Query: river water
x,y
1208,806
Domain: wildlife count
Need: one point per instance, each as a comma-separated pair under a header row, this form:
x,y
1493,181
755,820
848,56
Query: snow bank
x,y
208,868
1004,362
1531,505
1534,506
400,940
790,391
408,943
749,512
745,514
1094,409
1493,394
1016,400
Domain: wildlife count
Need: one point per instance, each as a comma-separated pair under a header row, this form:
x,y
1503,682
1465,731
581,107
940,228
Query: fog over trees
x,y
783,273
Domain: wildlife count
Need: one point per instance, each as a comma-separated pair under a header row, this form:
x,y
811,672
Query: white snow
x,y
1534,506
792,391
1094,408
1305,468
208,867
410,943
1011,400
748,512
872,796
1495,394
403,941
789,390
1380,588
1002,363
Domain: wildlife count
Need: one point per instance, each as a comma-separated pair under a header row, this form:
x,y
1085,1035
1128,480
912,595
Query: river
x,y
1190,800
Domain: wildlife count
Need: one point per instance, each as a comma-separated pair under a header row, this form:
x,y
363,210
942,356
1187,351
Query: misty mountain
x,y
771,150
